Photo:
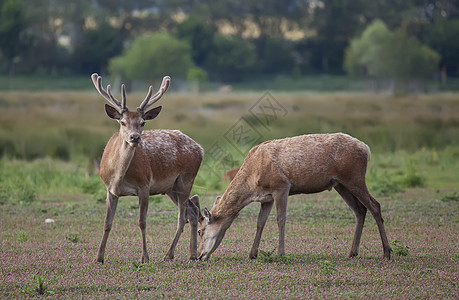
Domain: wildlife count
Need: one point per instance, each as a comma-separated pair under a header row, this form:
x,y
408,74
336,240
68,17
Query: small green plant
x,y
451,197
398,248
74,238
22,236
270,257
327,267
138,266
426,271
267,256
41,288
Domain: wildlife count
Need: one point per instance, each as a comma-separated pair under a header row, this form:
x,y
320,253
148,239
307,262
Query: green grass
x,y
48,141
56,259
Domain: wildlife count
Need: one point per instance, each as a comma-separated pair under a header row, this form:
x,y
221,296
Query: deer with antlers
x,y
299,165
143,163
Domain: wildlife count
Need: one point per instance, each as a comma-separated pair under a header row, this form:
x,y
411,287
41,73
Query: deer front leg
x,y
280,198
265,209
193,213
112,202
180,225
180,198
143,206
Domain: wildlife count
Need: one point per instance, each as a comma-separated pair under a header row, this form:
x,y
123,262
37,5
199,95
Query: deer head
x,y
211,233
131,122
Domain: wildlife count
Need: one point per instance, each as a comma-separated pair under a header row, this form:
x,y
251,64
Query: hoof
x,y
98,261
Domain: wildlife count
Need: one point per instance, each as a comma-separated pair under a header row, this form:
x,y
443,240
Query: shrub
x,y
152,56
383,184
380,53
451,197
411,178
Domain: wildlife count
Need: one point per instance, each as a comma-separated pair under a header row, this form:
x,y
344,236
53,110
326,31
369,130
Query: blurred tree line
x,y
230,40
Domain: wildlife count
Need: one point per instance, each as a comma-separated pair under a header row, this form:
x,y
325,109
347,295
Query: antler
x,y
150,100
107,94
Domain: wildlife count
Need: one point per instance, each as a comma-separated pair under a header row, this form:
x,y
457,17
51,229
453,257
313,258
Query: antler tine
x,y
150,100
97,80
123,97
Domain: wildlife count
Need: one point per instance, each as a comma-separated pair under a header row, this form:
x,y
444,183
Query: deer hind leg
x,y
180,198
143,206
280,198
265,209
112,202
361,192
360,212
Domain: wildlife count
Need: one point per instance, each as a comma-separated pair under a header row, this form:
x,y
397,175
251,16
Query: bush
x,y
411,178
383,184
380,53
451,197
151,57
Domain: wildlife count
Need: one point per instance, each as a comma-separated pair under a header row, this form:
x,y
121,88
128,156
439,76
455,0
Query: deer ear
x,y
112,112
208,216
152,113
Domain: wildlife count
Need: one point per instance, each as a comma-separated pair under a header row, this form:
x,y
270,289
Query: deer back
x,y
308,163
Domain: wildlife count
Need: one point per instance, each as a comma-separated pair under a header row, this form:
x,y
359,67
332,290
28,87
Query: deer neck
x,y
237,196
119,163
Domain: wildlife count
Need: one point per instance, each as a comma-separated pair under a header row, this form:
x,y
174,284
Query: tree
x,y
12,26
381,53
97,46
152,56
276,56
199,35
232,58
442,36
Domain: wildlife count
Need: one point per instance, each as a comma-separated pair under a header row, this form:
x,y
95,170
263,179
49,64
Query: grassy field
x,y
56,259
48,140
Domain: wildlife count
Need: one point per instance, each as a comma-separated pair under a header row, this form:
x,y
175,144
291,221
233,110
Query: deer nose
x,y
135,138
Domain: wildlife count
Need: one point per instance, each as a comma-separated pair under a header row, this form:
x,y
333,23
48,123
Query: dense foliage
x,y
229,40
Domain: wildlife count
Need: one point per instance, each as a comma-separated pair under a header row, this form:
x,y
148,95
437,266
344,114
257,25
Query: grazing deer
x,y
304,164
143,163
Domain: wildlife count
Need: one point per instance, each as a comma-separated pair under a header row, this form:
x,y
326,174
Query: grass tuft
x,y
450,197
398,248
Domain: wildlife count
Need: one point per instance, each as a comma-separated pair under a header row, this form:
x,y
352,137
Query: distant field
x,y
49,139
72,126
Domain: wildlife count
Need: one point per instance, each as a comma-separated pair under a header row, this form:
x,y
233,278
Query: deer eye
x,y
142,124
199,232
123,123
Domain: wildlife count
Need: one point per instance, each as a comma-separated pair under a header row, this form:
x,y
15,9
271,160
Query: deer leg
x,y
280,198
181,199
143,207
193,212
361,192
112,202
360,213
265,209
